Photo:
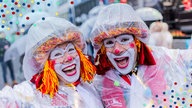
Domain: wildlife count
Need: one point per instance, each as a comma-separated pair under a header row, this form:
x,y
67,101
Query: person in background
x,y
132,74
58,74
160,35
87,26
4,45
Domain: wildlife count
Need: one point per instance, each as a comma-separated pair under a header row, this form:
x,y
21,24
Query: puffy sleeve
x,y
22,95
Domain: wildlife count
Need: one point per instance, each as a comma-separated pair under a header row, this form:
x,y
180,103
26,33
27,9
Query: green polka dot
x,y
40,10
17,22
9,5
144,105
5,1
58,3
176,94
34,25
10,16
116,83
184,93
170,100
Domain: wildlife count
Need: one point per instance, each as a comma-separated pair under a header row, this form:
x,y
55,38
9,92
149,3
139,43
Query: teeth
x,y
120,58
69,68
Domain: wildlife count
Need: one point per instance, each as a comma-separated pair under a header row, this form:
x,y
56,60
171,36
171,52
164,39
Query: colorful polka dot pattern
x,y
13,10
175,97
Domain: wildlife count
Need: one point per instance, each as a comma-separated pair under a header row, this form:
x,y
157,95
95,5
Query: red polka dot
x,y
3,15
190,105
27,18
28,5
17,33
13,13
16,3
164,99
5,6
175,83
176,107
183,98
72,2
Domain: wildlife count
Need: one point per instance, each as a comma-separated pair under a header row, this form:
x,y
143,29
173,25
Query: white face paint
x,y
67,63
121,52
123,63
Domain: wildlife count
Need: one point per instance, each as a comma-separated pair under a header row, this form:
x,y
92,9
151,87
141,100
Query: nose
x,y
117,49
68,59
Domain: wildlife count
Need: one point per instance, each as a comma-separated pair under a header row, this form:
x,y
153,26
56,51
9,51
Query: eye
x,y
57,54
71,49
109,42
124,39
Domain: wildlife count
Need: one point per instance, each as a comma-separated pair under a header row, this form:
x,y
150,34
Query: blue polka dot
x,y
2,10
2,26
175,102
23,4
17,10
178,98
160,106
12,1
10,22
172,91
183,102
156,96
187,85
172,96
12,8
32,11
38,3
23,25
43,18
170,106
48,4
163,92
153,105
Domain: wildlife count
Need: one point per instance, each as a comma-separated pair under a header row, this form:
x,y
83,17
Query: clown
x,y
56,70
130,73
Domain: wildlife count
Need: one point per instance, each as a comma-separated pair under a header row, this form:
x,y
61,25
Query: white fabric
x,y
25,95
171,66
118,16
149,14
38,34
16,49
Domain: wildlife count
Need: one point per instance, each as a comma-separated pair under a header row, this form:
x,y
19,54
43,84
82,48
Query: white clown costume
x,y
158,77
51,83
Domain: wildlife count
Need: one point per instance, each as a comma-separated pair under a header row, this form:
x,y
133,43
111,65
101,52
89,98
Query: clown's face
x,y
67,63
122,52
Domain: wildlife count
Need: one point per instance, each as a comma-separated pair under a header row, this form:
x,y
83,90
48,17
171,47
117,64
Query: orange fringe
x,y
49,81
138,44
88,70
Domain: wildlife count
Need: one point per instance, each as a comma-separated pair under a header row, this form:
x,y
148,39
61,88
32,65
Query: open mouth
x,y
70,70
122,62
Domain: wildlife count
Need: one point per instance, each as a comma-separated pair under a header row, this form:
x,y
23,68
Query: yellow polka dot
x,y
56,13
7,12
189,91
0,5
20,15
18,5
185,80
164,107
181,89
8,28
3,21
